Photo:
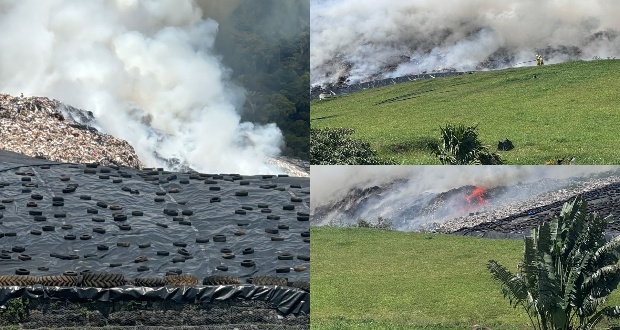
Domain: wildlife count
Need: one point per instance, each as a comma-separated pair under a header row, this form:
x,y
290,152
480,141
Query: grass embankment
x,y
569,109
378,279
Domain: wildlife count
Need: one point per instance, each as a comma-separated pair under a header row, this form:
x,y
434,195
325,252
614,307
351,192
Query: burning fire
x,y
476,198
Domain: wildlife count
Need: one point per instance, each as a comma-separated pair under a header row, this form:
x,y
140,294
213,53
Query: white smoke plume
x,y
370,39
331,183
148,71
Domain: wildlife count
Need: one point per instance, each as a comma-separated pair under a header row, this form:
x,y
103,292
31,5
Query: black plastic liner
x,y
263,228
286,300
315,91
11,160
604,201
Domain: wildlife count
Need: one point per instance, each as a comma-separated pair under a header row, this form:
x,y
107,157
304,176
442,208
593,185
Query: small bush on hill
x,y
334,146
459,145
381,223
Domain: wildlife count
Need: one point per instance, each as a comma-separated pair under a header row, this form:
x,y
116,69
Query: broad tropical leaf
x,y
569,270
459,145
513,287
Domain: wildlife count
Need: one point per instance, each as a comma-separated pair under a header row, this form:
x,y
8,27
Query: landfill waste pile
x,y
47,128
500,211
292,166
517,219
43,128
343,88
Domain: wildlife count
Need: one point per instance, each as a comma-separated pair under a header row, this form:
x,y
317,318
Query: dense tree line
x,y
267,45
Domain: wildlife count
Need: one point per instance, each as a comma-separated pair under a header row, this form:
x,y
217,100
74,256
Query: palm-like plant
x,y
568,270
459,145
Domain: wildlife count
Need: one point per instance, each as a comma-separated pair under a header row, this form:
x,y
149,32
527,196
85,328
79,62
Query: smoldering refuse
x,y
375,39
443,198
147,70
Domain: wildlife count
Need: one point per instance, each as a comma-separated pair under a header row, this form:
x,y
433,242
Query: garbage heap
x,y
36,127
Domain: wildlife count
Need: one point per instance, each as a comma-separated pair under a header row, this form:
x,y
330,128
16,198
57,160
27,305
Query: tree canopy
x,y
267,46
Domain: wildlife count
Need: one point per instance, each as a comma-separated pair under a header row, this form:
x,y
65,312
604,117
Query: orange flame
x,y
476,198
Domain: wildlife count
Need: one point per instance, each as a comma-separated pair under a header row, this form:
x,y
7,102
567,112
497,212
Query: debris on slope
x,y
494,214
36,126
292,166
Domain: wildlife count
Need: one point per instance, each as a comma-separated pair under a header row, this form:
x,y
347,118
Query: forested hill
x,y
267,45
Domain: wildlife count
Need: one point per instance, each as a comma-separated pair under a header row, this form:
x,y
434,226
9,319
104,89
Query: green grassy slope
x,y
377,279
569,109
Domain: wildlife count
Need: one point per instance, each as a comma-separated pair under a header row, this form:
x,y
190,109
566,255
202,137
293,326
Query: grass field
x,y
378,279
548,112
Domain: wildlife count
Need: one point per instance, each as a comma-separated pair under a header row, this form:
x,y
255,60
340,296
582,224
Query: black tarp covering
x,y
602,200
315,91
286,300
271,201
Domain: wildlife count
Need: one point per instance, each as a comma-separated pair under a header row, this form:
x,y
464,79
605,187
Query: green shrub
x,y
334,146
361,223
15,312
459,145
381,223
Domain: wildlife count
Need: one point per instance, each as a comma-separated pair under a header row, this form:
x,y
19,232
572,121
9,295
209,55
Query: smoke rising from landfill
x,y
147,69
332,184
371,39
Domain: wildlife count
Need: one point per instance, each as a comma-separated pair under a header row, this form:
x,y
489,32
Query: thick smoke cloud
x,y
147,69
331,183
370,39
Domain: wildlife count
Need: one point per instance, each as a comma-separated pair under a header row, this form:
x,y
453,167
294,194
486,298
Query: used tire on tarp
x,y
17,280
220,280
102,280
301,285
151,282
58,280
181,279
93,237
269,280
